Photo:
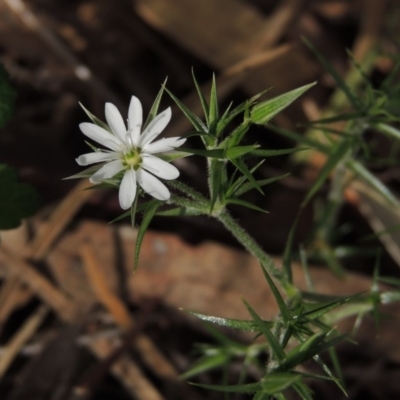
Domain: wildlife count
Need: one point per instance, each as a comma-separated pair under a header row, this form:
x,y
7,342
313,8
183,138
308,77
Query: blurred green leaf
x,y
374,182
206,363
17,200
336,76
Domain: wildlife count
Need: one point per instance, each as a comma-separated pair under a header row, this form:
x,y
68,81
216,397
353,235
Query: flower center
x,y
133,159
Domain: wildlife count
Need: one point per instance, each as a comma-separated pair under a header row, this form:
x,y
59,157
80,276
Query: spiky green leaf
x,y
263,112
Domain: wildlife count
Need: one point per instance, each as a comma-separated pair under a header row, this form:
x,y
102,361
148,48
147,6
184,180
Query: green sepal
x,y
96,120
263,112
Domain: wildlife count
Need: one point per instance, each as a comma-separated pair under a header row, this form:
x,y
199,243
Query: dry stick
x,y
67,310
12,295
16,266
127,372
151,355
80,70
21,337
276,25
59,219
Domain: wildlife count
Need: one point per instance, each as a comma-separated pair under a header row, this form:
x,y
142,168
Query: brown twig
x,y
21,337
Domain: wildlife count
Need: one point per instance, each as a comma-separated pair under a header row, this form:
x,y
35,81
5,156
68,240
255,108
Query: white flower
x,y
132,152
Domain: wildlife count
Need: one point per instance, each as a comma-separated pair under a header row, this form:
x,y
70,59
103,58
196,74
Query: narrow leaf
x,y
263,182
245,388
239,164
147,217
275,153
247,326
197,123
96,120
213,115
276,349
214,153
246,204
287,317
336,76
263,112
374,182
337,154
156,104
205,364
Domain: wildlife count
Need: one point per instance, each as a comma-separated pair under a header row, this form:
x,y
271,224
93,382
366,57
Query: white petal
x,y
156,126
98,156
101,136
107,171
166,144
115,121
159,167
152,185
127,190
135,119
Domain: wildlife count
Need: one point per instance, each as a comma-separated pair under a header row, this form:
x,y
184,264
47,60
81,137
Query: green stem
x,y
252,246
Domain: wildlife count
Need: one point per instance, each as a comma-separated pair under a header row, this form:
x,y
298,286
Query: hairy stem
x,y
252,246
